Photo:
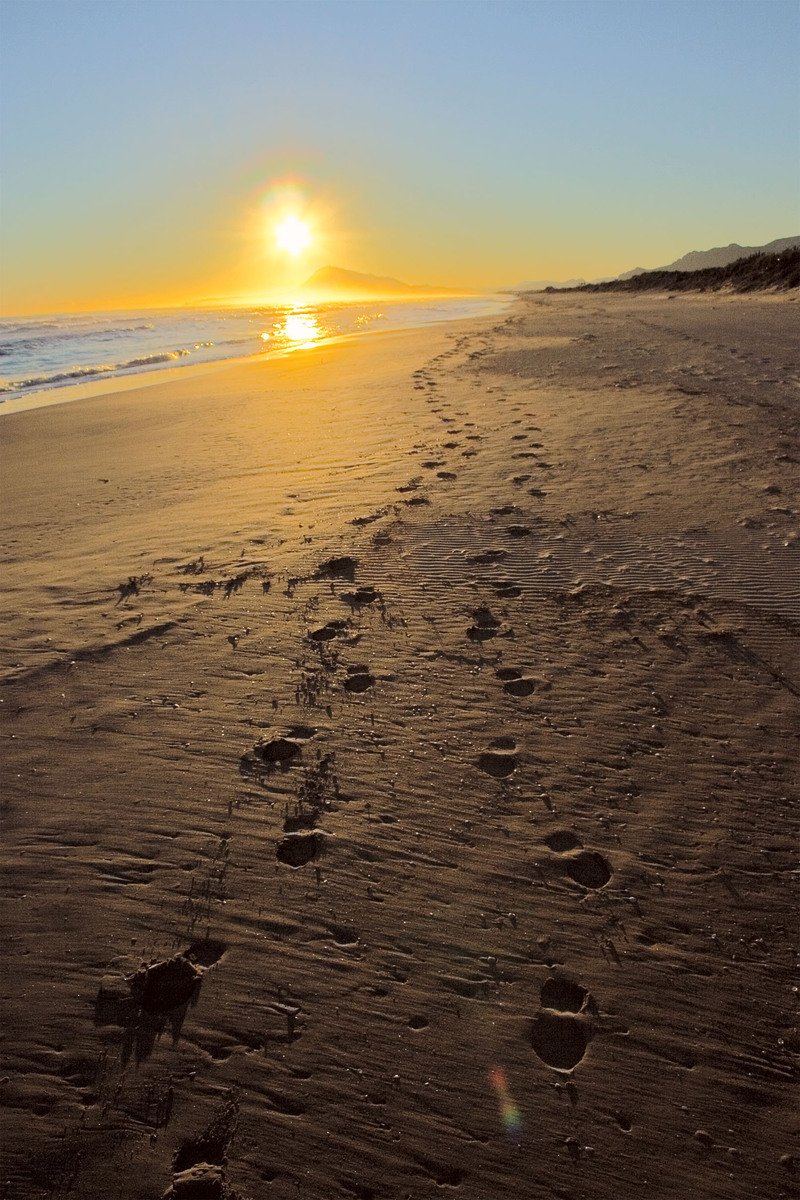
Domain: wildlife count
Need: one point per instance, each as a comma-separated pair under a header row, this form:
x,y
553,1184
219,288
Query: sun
x,y
292,235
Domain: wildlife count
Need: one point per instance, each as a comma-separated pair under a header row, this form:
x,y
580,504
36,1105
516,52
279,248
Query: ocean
x,y
39,354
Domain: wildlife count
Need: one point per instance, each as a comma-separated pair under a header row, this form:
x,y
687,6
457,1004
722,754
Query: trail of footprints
x,y
161,993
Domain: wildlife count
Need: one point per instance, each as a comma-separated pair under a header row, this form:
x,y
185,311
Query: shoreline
x,y
443,762
69,393
222,456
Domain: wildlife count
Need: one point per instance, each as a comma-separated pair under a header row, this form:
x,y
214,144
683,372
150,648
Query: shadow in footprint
x,y
358,679
589,869
199,1163
144,1004
270,754
205,953
297,849
487,556
338,568
499,760
360,597
327,633
563,840
486,625
514,682
559,1040
563,995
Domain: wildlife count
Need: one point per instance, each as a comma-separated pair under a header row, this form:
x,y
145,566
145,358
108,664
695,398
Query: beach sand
x,y
400,747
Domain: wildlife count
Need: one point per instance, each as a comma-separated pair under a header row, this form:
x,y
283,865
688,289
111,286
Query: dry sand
x,y
460,866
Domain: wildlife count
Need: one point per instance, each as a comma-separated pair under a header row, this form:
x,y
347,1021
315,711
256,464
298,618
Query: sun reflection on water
x,y
299,327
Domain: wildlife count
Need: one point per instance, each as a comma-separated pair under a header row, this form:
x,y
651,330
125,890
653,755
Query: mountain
x,y
338,284
755,273
719,256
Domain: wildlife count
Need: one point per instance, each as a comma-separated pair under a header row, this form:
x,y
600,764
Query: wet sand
x,y
400,748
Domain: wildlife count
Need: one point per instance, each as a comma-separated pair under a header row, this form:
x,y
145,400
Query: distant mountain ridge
x,y
336,281
695,260
755,273
718,256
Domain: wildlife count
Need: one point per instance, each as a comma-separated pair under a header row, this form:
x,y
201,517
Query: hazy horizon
x,y
467,146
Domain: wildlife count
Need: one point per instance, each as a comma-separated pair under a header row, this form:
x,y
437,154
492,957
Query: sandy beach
x,y
400,748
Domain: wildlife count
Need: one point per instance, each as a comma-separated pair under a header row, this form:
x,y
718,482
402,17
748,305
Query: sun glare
x,y
292,235
301,329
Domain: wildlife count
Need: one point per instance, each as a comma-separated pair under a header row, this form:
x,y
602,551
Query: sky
x,y
148,147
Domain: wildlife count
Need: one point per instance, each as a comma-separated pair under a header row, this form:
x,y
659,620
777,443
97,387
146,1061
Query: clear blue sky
x,y
448,142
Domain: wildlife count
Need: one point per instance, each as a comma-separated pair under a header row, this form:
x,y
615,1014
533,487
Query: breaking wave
x,y
45,381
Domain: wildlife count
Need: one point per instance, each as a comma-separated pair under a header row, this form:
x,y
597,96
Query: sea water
x,y
42,353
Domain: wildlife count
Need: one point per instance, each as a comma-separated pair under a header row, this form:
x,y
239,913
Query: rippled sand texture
x,y
402,805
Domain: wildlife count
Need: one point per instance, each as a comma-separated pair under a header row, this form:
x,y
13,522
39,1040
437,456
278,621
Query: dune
x,y
779,271
399,750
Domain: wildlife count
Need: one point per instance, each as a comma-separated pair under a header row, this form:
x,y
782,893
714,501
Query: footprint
x,y
561,1032
205,953
563,995
338,568
360,597
563,840
369,519
272,752
358,679
211,1146
326,633
499,760
199,1163
506,589
487,556
560,1040
589,869
514,682
300,818
165,986
297,849
343,935
486,625
301,733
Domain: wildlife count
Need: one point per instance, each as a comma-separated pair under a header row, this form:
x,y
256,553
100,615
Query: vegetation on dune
x,y
759,272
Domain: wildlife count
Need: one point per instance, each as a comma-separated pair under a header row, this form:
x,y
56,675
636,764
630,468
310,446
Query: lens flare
x,y
509,1113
